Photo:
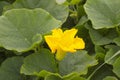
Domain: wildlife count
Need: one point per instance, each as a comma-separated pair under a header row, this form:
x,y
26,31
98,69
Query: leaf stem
x,y
118,52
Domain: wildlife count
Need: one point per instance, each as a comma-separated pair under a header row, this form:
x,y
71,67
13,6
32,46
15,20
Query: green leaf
x,y
102,72
116,67
110,78
44,73
102,37
58,11
97,38
117,41
48,75
77,78
10,69
82,21
53,77
76,62
100,53
112,50
93,75
60,1
103,13
73,2
21,29
42,60
73,76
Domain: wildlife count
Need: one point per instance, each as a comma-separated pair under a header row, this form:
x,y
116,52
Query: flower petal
x,y
57,33
78,43
52,43
70,33
68,37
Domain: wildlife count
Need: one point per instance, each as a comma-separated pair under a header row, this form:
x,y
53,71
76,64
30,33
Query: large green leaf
x,y
103,13
21,29
58,11
76,62
101,73
116,67
110,78
103,68
102,37
10,69
42,60
111,53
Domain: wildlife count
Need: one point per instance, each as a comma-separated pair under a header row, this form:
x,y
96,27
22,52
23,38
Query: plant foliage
x,y
25,55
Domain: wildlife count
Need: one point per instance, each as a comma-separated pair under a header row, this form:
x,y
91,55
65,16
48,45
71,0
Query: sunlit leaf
x,y
21,29
76,62
58,11
110,78
103,13
42,60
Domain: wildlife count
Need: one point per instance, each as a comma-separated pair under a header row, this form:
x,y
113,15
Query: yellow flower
x,y
62,42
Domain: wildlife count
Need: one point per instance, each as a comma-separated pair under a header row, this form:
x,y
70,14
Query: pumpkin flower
x,y
61,42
